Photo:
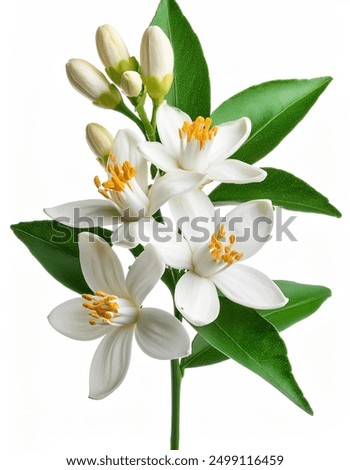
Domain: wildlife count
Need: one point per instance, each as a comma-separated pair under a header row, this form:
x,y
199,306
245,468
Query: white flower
x,y
115,312
214,261
196,146
128,198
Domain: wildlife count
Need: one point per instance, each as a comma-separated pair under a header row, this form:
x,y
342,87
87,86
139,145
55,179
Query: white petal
x,y
229,138
125,235
101,267
161,335
169,121
159,155
72,319
124,148
195,215
172,184
234,171
111,361
249,287
252,223
85,214
175,252
144,274
196,299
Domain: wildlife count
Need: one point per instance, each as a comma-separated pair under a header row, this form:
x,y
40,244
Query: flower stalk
x,y
176,379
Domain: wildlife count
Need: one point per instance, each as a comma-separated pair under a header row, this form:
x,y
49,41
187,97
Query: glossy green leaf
x,y
282,188
304,300
202,354
245,336
55,246
191,86
274,108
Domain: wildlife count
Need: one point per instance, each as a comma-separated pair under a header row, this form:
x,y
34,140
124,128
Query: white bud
x,y
90,82
110,46
131,83
157,63
86,78
157,56
99,139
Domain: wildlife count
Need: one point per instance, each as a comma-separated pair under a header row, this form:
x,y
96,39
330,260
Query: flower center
x,y
120,176
102,307
199,130
223,252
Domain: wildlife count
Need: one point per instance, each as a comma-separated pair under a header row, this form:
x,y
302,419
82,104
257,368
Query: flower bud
x,y
90,82
113,53
99,140
131,83
157,62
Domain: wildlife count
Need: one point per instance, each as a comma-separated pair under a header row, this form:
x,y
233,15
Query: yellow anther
x,y
120,175
104,193
112,157
221,252
97,182
100,293
87,297
199,130
221,233
101,306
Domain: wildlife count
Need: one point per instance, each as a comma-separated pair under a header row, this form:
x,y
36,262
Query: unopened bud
x,y
99,140
157,63
113,53
90,82
131,83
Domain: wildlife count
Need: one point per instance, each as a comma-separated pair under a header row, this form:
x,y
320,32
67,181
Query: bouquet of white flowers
x,y
195,160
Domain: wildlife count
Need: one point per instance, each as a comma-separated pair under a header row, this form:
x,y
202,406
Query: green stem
x,y
154,115
122,108
150,130
176,378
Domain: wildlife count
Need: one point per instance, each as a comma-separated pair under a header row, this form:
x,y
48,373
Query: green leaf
x,y
274,108
304,300
55,246
282,188
243,335
202,354
191,87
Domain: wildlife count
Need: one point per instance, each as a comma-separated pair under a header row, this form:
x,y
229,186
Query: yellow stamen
x,y
221,252
199,130
87,296
97,182
221,232
101,306
120,175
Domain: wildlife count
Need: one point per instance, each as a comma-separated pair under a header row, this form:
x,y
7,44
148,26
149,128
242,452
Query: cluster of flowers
x,y
189,155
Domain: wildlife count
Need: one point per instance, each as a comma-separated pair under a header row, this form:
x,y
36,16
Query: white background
x,y
45,161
